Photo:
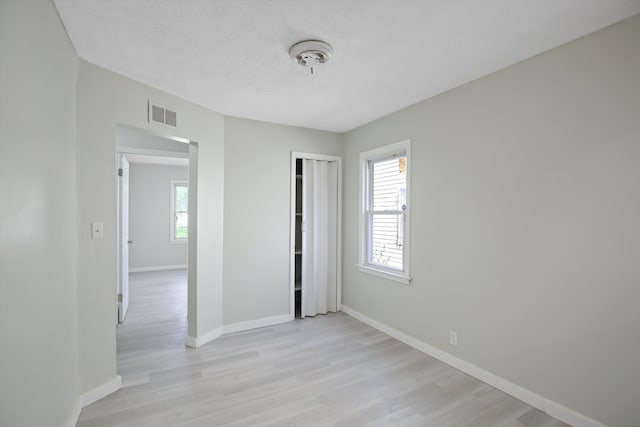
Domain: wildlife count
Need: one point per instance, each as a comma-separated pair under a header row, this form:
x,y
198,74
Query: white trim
x,y
152,152
339,241
101,391
203,339
257,323
158,268
74,416
404,276
292,236
397,277
146,159
552,408
315,156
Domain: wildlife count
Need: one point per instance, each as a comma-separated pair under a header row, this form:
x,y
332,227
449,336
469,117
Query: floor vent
x,y
161,115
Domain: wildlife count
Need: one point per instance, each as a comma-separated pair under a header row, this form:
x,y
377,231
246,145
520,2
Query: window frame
x,y
397,149
173,212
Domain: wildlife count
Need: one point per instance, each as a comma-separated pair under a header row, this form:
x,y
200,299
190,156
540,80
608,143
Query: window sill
x,y
396,277
178,241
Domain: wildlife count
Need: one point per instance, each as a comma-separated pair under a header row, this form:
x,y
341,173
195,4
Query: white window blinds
x,y
386,211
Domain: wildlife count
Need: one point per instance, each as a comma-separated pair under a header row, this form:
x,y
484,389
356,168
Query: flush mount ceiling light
x,y
310,53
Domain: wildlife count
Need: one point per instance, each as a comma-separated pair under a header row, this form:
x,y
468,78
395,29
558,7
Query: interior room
x,y
399,213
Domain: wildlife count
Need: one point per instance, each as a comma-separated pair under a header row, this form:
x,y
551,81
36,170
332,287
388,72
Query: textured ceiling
x,y
232,55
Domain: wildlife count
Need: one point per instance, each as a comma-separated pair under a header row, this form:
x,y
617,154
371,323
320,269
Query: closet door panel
x,y
319,237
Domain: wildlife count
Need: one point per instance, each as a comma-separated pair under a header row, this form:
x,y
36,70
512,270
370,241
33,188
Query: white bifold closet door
x,y
319,237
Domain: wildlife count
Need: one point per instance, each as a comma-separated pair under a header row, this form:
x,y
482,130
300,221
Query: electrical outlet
x,y
453,338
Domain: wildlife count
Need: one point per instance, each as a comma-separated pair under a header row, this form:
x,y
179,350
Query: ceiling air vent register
x,y
310,53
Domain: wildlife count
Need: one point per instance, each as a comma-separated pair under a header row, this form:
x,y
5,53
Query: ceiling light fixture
x,y
310,53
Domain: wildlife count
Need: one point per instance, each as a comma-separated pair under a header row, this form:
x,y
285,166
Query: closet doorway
x,y
316,235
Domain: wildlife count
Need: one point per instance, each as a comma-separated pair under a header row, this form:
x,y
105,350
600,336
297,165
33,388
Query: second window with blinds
x,y
384,228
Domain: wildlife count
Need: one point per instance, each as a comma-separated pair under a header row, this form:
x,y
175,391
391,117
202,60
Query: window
x,y
384,234
179,211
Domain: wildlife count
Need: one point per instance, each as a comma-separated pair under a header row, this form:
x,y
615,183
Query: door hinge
x,y
120,172
120,297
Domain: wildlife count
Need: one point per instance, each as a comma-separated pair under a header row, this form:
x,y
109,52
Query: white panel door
x,y
123,237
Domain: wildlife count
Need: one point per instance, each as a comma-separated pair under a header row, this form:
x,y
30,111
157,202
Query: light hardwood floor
x,y
330,370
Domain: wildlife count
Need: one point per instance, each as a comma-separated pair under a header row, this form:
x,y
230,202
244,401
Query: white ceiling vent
x,y
160,114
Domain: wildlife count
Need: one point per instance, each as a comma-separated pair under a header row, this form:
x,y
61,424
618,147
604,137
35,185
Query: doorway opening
x,y
153,230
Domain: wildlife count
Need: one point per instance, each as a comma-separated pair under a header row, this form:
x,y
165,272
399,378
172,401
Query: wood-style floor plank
x,y
325,371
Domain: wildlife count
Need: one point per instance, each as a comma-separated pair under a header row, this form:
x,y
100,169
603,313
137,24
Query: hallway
x,y
156,324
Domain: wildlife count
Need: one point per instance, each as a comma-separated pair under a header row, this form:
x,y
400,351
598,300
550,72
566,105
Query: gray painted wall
x,y
257,213
525,236
106,100
149,216
39,383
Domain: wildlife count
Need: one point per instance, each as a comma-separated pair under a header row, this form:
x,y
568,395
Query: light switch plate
x,y
97,230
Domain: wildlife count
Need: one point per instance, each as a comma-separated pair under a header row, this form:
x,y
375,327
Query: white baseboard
x,y
75,414
258,323
101,391
196,342
159,268
552,408
235,327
